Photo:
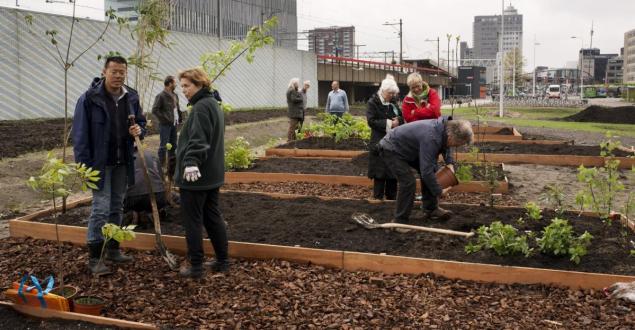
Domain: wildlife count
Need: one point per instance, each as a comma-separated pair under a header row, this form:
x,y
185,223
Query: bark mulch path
x,y
267,294
327,224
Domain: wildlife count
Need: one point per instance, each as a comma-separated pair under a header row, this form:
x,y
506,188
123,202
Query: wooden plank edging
x,y
350,261
250,177
54,314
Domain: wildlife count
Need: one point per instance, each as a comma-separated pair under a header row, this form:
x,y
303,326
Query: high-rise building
x,y
334,41
486,32
629,56
237,17
594,65
615,69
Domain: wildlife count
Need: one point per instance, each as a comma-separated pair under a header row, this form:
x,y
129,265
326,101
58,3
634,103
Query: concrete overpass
x,y
361,78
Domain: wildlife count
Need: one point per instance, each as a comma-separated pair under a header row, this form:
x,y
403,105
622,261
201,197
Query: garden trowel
x,y
167,256
368,222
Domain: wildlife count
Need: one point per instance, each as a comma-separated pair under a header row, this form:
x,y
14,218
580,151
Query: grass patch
x,y
542,117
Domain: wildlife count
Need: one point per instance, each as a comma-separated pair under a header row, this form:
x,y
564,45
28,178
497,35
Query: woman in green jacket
x,y
200,172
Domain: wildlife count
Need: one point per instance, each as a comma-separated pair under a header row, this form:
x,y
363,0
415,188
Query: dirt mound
x,y
597,114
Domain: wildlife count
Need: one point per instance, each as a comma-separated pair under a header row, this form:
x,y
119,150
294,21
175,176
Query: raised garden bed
x,y
272,294
341,171
326,224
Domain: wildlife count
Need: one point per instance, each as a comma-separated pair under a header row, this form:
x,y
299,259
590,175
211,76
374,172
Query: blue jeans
x,y
167,134
107,202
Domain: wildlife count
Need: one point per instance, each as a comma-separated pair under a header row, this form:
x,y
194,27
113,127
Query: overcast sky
x,y
553,22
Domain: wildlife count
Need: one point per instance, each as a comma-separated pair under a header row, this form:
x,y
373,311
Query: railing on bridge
x,y
356,63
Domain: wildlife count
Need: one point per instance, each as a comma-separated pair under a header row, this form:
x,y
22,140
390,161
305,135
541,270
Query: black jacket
x,y
377,116
201,143
163,108
295,102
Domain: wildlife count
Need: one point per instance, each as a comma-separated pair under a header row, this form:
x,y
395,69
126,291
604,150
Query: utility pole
x,y
400,38
438,54
501,73
535,44
514,75
357,48
449,37
456,49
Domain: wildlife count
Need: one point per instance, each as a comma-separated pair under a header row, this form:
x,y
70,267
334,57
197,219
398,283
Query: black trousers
x,y
200,208
385,188
407,183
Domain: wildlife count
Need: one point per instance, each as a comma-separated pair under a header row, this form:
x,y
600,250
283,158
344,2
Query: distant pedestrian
x,y
383,115
337,101
295,112
422,102
103,140
167,111
200,172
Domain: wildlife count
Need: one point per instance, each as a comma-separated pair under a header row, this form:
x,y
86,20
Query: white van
x,y
553,91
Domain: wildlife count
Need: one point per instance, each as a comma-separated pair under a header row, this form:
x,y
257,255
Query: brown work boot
x,y
438,214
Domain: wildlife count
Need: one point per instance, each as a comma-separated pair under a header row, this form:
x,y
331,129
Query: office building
x,y
629,57
335,41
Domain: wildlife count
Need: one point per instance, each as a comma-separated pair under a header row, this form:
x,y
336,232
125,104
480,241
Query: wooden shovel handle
x,y
428,229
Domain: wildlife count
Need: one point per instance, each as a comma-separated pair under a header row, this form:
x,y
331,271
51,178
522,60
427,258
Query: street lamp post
x,y
501,73
438,54
535,44
581,64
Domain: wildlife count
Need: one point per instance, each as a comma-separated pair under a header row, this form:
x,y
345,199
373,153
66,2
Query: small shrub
x,y
338,128
464,172
554,196
533,211
503,239
111,231
558,239
238,155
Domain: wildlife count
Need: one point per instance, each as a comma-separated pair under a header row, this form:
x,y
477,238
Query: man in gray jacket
x,y
166,110
418,144
337,101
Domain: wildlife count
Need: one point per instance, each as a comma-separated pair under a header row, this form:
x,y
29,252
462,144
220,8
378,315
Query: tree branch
x,y
93,44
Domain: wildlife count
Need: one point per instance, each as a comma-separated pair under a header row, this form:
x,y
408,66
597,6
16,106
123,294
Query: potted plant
x,y
90,304
67,291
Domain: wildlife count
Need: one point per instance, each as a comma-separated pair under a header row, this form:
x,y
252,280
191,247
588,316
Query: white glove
x,y
191,173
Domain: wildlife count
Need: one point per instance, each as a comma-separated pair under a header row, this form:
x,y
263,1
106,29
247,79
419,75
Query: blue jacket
x,y
422,141
91,127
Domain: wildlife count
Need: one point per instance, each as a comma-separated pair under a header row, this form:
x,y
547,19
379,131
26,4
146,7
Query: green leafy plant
x,y
503,239
554,196
227,108
238,155
110,231
340,129
558,239
533,211
464,172
58,179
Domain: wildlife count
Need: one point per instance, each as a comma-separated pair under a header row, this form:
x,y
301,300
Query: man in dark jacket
x,y
419,144
200,172
295,113
103,140
166,110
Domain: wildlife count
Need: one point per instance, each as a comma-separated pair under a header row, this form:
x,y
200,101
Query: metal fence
x,y
33,83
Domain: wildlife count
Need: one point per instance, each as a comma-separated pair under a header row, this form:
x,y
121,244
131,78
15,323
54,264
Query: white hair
x,y
294,83
461,131
307,83
389,85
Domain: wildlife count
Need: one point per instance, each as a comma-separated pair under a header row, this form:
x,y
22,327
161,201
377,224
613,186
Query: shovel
x,y
167,256
367,222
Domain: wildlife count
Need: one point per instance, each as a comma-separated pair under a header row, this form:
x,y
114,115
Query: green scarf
x,y
423,95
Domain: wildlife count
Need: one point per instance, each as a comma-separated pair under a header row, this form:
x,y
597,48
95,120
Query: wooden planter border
x,y
54,314
350,261
555,160
250,177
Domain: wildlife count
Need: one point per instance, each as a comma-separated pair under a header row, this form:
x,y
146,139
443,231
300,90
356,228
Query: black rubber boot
x,y
191,271
96,266
218,266
113,253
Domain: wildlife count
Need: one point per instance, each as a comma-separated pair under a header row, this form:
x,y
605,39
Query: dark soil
x,y
279,294
326,143
310,222
358,192
358,166
13,320
544,149
598,114
22,136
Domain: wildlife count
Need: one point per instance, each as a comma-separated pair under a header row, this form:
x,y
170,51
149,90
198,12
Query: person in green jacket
x,y
200,172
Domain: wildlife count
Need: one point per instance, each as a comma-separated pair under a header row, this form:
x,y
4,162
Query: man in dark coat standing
x,y
295,102
103,140
167,111
383,115
419,144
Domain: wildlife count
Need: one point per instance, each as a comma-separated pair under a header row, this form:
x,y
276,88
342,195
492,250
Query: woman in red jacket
x,y
422,102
